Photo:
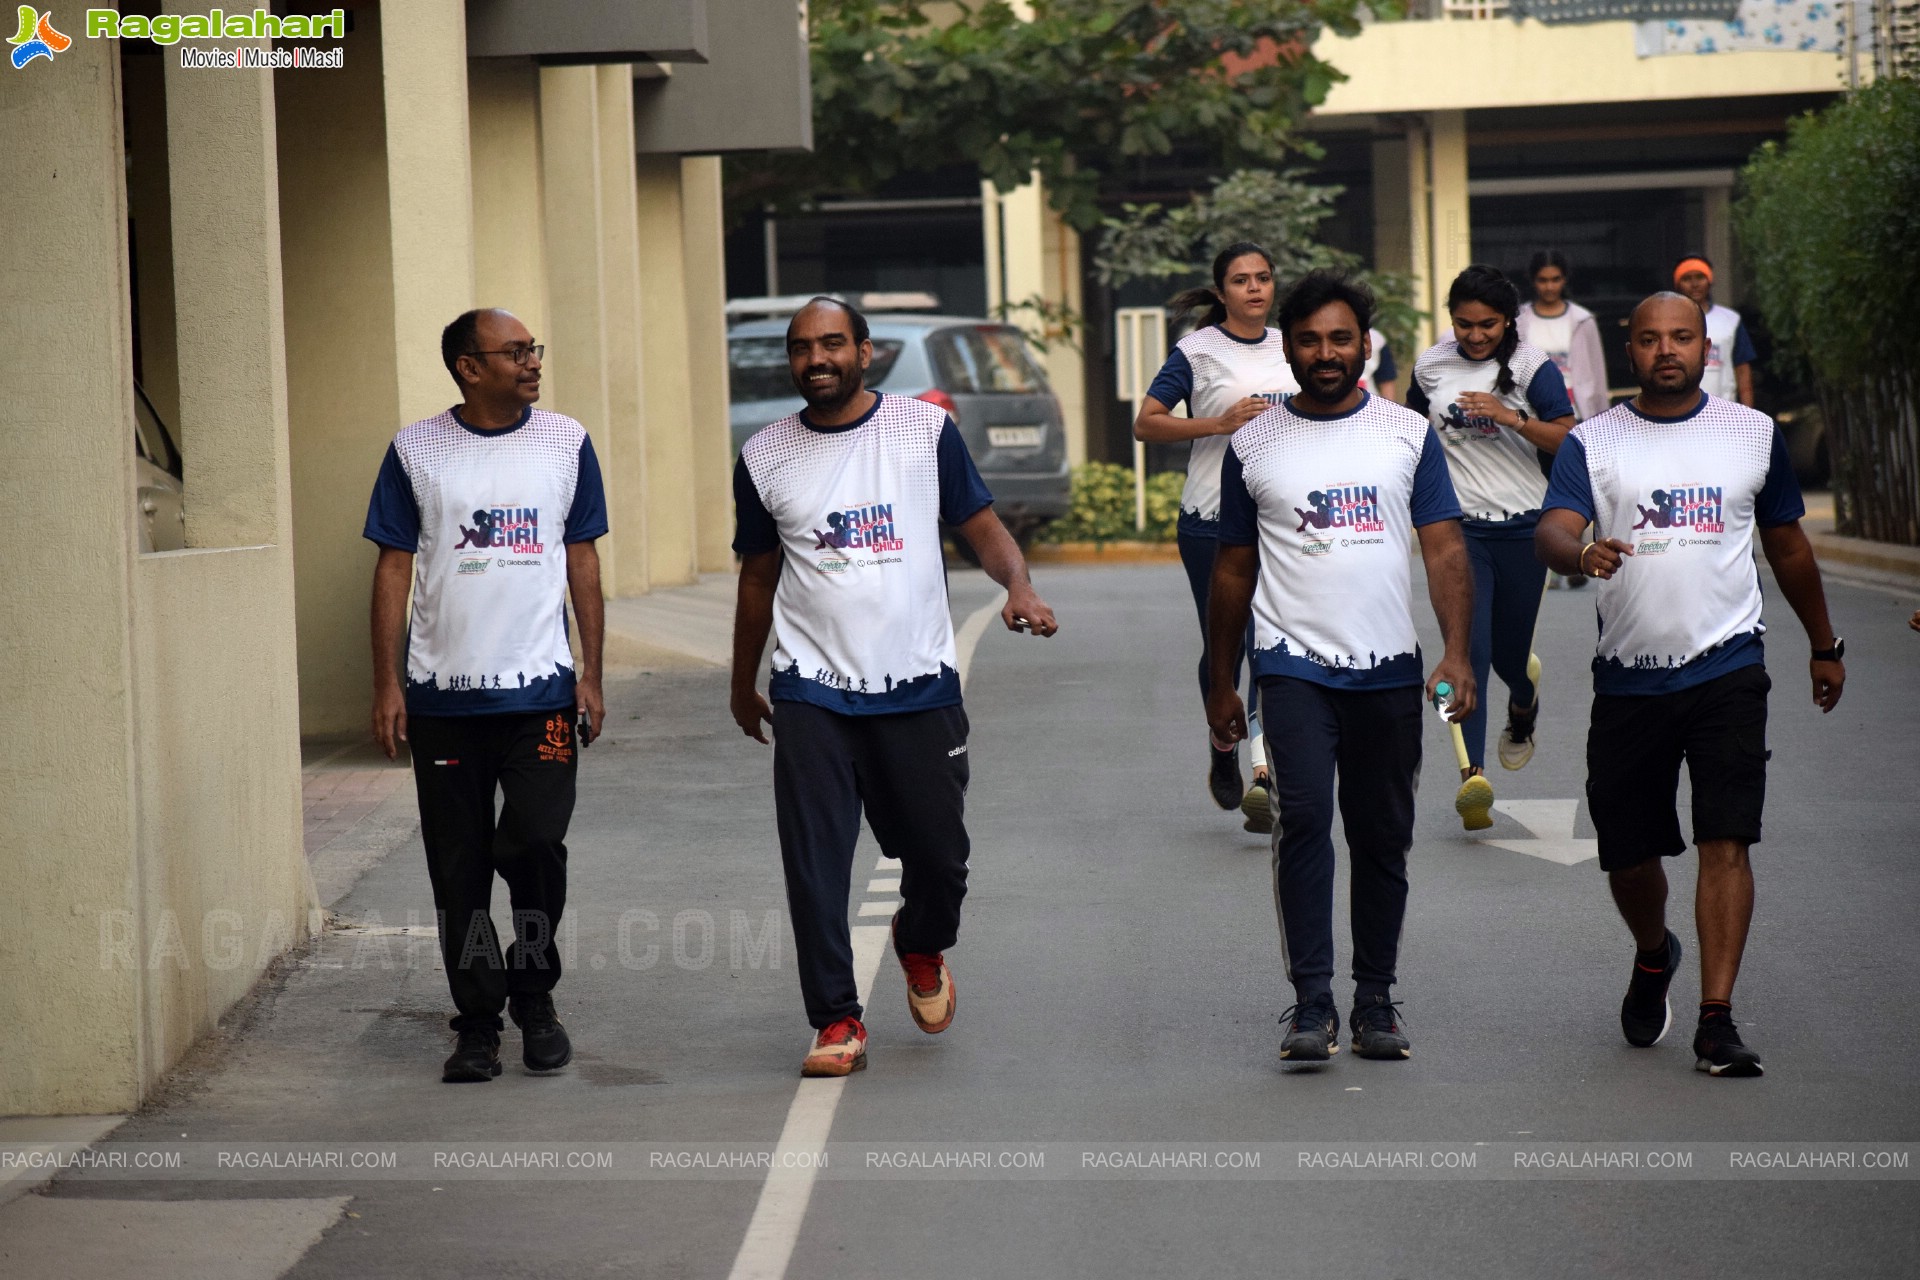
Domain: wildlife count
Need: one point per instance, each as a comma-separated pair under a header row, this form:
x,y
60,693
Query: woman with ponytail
x,y
1498,405
1228,371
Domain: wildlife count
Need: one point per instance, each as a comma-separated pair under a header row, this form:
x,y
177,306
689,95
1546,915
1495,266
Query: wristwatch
x,y
1834,654
1523,419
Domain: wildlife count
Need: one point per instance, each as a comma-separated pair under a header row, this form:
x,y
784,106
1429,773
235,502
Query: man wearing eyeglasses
x,y
489,512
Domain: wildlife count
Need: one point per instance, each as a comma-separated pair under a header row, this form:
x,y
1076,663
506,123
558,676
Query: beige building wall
x,y
1447,219
1032,254
672,545
149,208
509,214
624,431
343,405
176,821
703,249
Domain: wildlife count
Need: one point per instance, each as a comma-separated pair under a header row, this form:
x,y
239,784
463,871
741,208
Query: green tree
x,y
1080,92
1279,210
1828,222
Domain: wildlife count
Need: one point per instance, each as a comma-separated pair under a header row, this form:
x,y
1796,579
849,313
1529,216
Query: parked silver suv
x,y
979,371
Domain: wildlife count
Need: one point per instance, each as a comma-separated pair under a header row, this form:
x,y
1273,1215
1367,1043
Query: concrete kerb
x,y
1887,558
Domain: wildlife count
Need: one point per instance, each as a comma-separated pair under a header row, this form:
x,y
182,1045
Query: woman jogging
x,y
1497,404
1228,370
1566,331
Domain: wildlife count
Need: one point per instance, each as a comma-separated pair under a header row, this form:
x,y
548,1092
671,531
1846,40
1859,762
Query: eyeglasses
x,y
519,355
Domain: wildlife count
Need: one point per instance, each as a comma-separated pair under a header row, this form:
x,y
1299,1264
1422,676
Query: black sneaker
x,y
1646,1014
475,1060
543,1041
1313,1032
1718,1051
1223,778
1376,1031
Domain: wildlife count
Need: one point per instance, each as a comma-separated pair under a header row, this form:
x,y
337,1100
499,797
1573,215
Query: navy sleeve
x,y
754,531
962,492
1547,393
1174,382
1743,352
1570,487
1779,500
393,516
1417,400
1239,516
1433,498
1385,370
587,517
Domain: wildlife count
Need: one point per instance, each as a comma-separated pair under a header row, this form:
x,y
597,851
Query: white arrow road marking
x,y
1551,822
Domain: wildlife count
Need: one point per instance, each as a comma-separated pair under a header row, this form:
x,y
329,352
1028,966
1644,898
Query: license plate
x,y
1016,437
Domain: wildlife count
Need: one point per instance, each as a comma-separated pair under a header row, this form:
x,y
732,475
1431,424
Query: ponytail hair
x,y
1484,284
1188,301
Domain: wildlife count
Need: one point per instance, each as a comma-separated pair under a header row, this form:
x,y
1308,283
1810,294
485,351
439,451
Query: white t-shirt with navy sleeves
x,y
1332,503
1212,370
1687,493
860,619
488,515
1496,471
1728,347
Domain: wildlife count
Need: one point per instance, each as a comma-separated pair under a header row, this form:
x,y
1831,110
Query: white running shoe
x,y
1514,752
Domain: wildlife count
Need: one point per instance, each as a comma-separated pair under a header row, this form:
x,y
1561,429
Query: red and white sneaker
x,y
930,997
839,1050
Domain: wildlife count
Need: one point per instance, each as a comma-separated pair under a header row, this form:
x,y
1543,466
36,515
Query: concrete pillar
x,y
343,405
150,210
1392,207
703,249
576,356
1452,230
671,512
66,473
1033,256
429,191
224,179
627,421
1419,189
509,214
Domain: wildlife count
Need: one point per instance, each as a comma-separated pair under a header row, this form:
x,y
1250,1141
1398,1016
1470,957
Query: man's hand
x,y
1026,611
1829,679
1914,621
389,718
1226,716
1457,672
587,698
1240,413
1603,559
749,708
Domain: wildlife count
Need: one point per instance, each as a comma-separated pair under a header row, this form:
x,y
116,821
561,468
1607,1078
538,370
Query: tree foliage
x,y
1279,210
1079,92
1830,222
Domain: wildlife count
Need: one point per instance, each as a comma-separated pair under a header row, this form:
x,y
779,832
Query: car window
x,y
984,360
757,367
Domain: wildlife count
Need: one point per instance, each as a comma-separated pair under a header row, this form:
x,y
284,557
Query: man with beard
x,y
839,510
1679,674
1335,657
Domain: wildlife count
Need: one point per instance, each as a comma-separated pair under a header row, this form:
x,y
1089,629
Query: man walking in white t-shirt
x,y
838,512
489,513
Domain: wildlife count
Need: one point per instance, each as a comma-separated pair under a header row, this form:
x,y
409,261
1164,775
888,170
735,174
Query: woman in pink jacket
x,y
1566,331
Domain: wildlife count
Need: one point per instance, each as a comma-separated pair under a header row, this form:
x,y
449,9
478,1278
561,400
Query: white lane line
x,y
890,885
775,1227
968,637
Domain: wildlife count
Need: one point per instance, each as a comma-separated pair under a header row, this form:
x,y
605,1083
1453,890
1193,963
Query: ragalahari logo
x,y
37,38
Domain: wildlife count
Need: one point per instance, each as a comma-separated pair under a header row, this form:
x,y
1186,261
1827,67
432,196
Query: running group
x,y
1308,491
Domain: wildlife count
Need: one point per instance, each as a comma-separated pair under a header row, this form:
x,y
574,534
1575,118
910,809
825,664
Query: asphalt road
x,y
1119,976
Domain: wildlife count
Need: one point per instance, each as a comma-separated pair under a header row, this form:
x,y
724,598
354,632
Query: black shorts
x,y
1634,750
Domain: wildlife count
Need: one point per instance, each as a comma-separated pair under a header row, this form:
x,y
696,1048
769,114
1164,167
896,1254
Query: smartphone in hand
x,y
583,728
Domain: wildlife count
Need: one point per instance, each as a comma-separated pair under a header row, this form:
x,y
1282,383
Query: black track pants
x,y
458,763
909,771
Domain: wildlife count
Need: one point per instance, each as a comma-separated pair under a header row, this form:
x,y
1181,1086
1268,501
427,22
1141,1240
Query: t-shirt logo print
x,y
1355,507
1697,507
481,535
515,528
1460,423
870,526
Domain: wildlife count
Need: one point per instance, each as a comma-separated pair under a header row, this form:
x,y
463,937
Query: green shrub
x,y
1102,506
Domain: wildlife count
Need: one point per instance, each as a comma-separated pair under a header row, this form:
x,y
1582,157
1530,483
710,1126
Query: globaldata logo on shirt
x,y
861,527
514,528
1694,507
1354,508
